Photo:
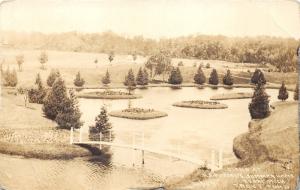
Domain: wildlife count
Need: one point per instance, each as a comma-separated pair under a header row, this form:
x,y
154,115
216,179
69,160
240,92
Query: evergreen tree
x,y
129,79
69,115
259,106
78,81
214,78
37,95
141,78
20,61
296,92
102,125
111,56
283,93
10,78
199,77
258,75
43,58
52,77
106,78
175,76
55,99
228,80
146,76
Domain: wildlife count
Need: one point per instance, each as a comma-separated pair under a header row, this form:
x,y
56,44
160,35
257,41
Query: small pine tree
x,y
78,81
130,81
199,77
20,61
259,105
214,78
69,115
140,78
283,93
258,75
37,95
55,99
102,124
52,77
175,76
106,78
111,56
296,93
43,59
10,78
228,80
146,76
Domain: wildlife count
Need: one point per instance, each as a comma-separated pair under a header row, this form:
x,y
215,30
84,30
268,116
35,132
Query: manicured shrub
x,y
214,78
258,75
228,80
106,79
283,93
199,77
78,81
175,76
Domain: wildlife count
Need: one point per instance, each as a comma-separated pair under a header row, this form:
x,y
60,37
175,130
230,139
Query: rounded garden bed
x,y
138,113
201,104
237,95
108,94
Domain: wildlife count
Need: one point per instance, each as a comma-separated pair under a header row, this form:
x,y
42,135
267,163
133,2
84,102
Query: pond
x,y
186,131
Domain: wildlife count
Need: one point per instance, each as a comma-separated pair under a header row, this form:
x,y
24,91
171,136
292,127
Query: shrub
x,y
37,95
199,77
258,75
142,77
283,93
52,77
43,59
10,78
175,76
180,64
207,66
106,79
78,81
70,115
20,61
296,93
213,79
228,80
259,105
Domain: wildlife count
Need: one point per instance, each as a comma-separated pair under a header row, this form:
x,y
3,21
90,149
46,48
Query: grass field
x,y
69,63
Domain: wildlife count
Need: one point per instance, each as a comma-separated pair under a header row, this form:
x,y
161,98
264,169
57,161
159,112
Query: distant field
x,y
69,63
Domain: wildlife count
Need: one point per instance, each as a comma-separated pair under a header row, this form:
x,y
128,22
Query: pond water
x,y
187,131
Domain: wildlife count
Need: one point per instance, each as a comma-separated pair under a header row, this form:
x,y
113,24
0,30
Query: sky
x,y
155,18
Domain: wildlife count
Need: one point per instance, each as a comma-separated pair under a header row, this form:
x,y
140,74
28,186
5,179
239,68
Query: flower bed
x,y
108,94
138,113
201,104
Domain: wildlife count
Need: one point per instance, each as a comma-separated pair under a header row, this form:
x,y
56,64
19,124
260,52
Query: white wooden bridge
x,y
134,147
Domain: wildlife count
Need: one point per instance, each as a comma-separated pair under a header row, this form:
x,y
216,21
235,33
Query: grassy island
x,y
237,95
201,104
108,94
138,113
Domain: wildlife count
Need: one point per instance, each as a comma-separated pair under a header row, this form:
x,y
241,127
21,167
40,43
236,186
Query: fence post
x,y
71,135
220,158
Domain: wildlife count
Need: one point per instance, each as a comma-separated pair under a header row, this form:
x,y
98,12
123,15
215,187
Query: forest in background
x,y
279,52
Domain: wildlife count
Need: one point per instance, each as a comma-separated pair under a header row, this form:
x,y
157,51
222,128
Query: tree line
x,y
280,52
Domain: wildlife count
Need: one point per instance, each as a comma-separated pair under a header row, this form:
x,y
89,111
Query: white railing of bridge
x,y
213,165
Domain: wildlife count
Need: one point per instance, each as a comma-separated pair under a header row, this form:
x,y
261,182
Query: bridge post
x,y
220,159
143,152
71,135
212,160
